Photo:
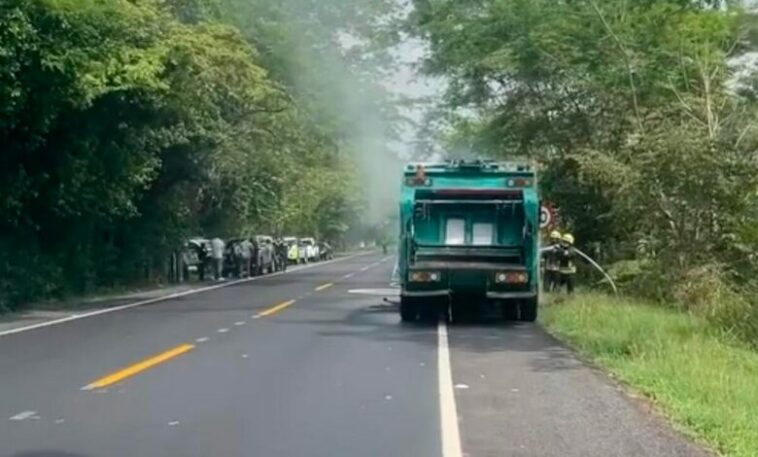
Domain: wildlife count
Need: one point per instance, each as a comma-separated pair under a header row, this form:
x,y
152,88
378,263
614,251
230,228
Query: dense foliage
x,y
127,125
647,142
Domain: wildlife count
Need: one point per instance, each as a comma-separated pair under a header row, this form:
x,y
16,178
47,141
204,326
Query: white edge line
x,y
23,416
114,309
451,438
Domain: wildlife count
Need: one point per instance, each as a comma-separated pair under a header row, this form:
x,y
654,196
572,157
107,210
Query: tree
x,y
626,106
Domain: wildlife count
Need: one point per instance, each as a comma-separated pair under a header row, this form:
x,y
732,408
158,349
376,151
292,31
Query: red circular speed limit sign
x,y
547,216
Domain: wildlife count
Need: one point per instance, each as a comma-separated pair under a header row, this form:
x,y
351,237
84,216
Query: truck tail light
x,y
425,276
519,182
508,277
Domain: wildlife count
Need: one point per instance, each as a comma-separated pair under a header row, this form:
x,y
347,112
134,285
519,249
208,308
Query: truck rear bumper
x,y
425,293
493,295
510,295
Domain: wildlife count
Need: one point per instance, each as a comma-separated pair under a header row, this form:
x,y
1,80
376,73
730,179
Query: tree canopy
x,y
128,125
646,142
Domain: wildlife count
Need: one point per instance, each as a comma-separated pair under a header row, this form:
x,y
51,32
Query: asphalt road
x,y
245,371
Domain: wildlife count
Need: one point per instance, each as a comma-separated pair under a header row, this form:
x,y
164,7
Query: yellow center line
x,y
138,367
324,287
274,309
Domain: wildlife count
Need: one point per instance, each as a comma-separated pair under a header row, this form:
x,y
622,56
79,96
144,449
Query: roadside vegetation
x,y
643,120
643,123
128,125
702,378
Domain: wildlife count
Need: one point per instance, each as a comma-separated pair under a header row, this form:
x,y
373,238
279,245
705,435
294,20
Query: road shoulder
x,y
521,393
51,313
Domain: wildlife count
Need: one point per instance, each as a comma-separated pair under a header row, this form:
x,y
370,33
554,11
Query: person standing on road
x,y
566,263
552,264
217,254
238,259
281,254
247,257
203,254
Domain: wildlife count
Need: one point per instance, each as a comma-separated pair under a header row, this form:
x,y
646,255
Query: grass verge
x,y
704,382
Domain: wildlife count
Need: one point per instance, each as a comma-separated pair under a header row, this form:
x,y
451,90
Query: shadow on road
x,y
372,318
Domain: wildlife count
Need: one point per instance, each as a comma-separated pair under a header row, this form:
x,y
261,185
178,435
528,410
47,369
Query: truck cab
x,y
469,238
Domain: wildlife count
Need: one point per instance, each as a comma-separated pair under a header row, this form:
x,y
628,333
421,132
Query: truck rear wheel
x,y
528,310
408,309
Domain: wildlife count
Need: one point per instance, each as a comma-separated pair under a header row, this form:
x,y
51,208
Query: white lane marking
x,y
173,423
244,356
366,268
349,275
114,309
461,386
24,416
238,323
255,316
202,340
451,438
222,330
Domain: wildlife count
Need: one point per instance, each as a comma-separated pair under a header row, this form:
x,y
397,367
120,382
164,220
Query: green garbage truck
x,y
469,240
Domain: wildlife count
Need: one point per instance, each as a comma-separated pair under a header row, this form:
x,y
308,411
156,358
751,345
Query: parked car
x,y
293,251
265,245
196,257
311,249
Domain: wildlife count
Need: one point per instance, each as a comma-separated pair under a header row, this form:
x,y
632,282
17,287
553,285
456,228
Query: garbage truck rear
x,y
469,240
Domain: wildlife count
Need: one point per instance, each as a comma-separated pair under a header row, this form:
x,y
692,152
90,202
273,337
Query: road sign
x,y
547,216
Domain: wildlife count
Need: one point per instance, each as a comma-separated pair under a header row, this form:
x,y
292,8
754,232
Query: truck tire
x,y
528,310
408,309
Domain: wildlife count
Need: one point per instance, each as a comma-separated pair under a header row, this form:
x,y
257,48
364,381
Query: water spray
x,y
593,263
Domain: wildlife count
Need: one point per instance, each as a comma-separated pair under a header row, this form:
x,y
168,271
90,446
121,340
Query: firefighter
x,y
552,268
567,264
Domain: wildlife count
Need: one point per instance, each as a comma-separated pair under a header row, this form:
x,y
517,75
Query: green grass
x,y
704,382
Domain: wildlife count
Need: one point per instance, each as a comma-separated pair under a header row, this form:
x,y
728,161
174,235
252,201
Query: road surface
x,y
308,364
